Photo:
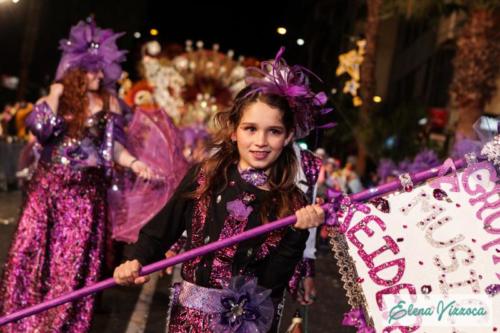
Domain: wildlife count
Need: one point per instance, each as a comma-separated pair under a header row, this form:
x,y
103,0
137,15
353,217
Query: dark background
x,y
248,28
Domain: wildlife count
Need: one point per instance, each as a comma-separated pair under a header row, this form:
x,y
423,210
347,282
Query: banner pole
x,y
203,250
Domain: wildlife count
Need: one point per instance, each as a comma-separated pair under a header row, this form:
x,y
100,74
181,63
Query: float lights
x,y
281,30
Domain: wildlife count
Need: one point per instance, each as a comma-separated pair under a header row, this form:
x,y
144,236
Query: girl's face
x,y
94,80
260,136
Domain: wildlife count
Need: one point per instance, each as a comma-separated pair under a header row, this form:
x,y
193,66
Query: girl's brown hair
x,y
74,103
283,171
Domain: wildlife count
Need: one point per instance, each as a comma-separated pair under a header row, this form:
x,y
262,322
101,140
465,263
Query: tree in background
x,y
476,64
364,131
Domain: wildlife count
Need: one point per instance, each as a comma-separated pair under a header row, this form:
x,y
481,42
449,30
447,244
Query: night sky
x,y
250,31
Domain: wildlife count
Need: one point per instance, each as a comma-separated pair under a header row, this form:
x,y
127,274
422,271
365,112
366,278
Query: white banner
x,y
440,241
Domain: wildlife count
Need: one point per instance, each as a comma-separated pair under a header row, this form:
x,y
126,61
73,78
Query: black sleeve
x,y
167,226
278,269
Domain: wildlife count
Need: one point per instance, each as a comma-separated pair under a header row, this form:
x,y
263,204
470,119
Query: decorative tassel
x,y
296,326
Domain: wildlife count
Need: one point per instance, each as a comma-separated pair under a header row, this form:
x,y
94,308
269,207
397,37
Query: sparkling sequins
x,y
73,204
420,198
381,204
429,234
254,176
426,289
492,150
406,182
492,289
440,195
453,255
472,282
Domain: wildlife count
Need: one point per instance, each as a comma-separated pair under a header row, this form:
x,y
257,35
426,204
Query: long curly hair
x,y
283,171
74,102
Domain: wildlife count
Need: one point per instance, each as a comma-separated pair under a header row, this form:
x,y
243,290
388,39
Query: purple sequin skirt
x,y
57,248
187,319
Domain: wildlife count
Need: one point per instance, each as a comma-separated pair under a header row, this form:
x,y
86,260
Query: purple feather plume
x,y
291,82
91,48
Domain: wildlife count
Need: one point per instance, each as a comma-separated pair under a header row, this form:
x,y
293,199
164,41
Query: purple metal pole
x,y
203,250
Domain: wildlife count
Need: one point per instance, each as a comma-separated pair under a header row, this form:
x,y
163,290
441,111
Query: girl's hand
x,y
168,270
309,217
141,169
128,274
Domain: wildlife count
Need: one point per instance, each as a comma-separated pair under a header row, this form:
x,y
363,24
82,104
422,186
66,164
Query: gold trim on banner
x,y
349,275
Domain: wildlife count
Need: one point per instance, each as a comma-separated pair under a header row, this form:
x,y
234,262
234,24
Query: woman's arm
x,y
121,155
52,99
43,121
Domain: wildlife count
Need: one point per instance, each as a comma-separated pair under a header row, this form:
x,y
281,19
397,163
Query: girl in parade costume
x,y
60,240
248,181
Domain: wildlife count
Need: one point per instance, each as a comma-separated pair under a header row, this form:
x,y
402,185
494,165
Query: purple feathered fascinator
x,y
291,82
91,48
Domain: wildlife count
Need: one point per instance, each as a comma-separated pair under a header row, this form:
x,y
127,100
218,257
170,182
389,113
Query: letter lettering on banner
x,y
429,234
479,178
454,261
441,240
399,263
495,205
472,281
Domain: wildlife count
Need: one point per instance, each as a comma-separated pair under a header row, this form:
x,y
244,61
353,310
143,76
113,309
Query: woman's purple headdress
x,y
291,82
91,48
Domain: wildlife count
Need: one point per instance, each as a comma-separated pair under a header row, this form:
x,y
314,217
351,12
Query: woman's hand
x,y
141,169
128,274
56,90
309,217
52,99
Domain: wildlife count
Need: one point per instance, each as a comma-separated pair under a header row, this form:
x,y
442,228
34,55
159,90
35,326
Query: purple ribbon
x,y
247,307
356,318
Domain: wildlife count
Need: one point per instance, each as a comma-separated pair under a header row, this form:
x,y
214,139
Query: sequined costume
x,y
270,258
310,166
59,242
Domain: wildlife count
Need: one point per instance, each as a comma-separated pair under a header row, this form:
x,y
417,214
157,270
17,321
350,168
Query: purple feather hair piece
x,y
291,82
91,48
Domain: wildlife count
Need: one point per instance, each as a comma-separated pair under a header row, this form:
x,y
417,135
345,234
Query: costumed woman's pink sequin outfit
x,y
59,243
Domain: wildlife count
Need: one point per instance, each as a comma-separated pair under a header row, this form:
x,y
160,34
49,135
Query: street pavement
x,y
143,309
